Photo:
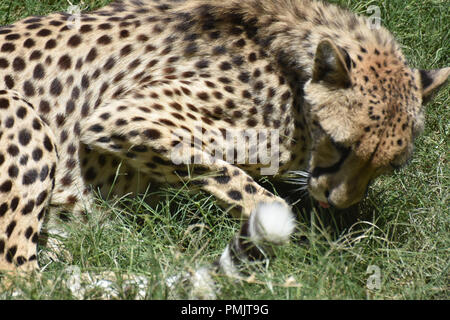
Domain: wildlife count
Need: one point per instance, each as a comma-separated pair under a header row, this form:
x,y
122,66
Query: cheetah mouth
x,y
324,205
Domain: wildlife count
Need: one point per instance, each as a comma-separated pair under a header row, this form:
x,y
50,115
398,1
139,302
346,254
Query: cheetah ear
x,y
432,81
330,66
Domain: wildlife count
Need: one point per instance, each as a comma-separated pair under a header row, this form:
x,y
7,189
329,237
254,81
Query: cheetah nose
x,y
325,205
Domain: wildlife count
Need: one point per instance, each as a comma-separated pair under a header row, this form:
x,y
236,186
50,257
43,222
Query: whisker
x,y
297,177
301,188
299,173
293,181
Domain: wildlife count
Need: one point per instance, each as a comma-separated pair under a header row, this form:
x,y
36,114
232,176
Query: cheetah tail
x,y
270,223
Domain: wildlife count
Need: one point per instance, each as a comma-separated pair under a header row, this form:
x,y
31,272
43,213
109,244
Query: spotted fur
x,y
98,105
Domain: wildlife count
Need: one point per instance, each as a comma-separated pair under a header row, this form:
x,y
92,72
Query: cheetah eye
x,y
339,146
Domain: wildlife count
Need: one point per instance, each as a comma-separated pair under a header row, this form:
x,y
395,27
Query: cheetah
x,y
147,91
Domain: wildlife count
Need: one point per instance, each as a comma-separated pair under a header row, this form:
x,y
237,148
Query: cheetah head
x,y
363,118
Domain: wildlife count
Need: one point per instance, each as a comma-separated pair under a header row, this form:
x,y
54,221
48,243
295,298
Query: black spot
x,y
67,180
13,36
29,43
21,112
96,128
139,148
126,50
91,55
85,110
44,173
41,197
104,40
202,64
240,43
24,137
29,177
3,209
8,47
109,64
85,28
10,228
28,232
28,208
225,66
50,44
252,122
85,82
13,171
104,26
244,77
44,106
36,54
152,134
55,87
44,33
4,103
222,179
191,49
11,253
23,160
6,186
124,33
48,144
74,41
20,260
18,64
13,150
9,81
90,174
4,63
238,60
9,123
70,107
121,122
28,89
219,50
235,195
65,62
250,189
37,154
14,203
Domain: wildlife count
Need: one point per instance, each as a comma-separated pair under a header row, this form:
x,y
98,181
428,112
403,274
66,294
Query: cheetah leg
x,y
28,162
147,140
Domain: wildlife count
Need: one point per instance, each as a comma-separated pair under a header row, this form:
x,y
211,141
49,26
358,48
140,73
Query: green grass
x,y
404,229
